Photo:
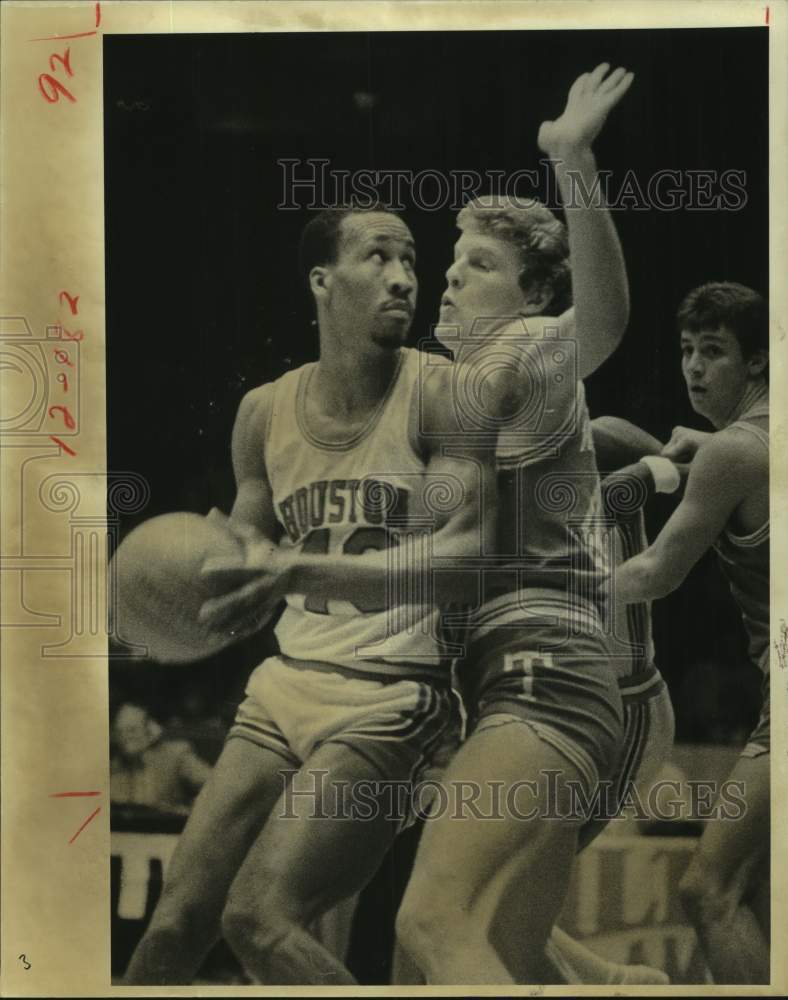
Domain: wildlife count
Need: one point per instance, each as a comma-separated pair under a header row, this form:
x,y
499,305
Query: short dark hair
x,y
718,303
319,243
538,236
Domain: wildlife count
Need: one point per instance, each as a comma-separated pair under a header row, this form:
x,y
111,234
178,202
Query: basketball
x,y
158,590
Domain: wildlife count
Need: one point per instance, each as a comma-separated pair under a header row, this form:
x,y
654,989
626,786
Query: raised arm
x,y
599,281
722,473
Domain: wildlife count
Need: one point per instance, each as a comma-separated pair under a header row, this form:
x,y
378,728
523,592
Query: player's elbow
x,y
664,577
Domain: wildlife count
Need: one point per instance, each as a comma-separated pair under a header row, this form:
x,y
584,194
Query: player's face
x,y
372,287
482,283
715,372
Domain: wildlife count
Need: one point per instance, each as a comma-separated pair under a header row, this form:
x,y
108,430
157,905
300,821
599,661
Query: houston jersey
x,y
349,498
744,559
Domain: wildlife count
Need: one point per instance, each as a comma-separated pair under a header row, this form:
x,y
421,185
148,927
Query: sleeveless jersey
x,y
550,543
744,560
349,498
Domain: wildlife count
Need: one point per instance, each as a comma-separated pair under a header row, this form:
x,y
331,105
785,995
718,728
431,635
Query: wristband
x,y
666,475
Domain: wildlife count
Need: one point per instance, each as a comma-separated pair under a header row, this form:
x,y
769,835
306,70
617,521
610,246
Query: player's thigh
x,y
226,817
492,818
316,848
732,847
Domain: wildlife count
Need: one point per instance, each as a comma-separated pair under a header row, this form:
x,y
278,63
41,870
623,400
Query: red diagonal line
x,y
70,795
60,38
92,816
64,446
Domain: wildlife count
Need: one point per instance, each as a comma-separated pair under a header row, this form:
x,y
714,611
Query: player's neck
x,y
346,384
756,392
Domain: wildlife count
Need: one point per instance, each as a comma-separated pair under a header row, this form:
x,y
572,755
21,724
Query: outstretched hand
x,y
591,98
684,442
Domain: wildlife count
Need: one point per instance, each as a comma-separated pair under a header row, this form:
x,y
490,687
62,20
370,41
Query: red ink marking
x,y
62,357
63,38
63,379
70,795
72,302
65,447
92,816
767,15
57,88
68,420
98,14
76,335
65,60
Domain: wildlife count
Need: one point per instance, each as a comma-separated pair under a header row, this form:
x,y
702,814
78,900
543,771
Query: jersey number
x,y
360,541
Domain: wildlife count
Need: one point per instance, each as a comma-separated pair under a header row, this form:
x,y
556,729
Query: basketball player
x,y
649,724
330,458
724,344
544,708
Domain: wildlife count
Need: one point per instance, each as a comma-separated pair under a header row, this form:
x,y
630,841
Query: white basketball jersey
x,y
349,498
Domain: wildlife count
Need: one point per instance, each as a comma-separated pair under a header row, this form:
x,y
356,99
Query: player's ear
x,y
756,363
536,299
319,281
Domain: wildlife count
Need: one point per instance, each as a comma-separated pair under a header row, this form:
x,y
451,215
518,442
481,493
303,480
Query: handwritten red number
x,y
64,59
72,302
68,420
62,358
98,14
63,379
56,89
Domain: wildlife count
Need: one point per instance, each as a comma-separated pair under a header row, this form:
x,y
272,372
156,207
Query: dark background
x,y
204,300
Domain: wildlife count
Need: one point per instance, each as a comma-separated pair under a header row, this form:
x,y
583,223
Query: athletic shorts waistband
x,y
380,671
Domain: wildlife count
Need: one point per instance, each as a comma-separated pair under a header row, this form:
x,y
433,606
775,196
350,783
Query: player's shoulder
x,y
730,453
255,407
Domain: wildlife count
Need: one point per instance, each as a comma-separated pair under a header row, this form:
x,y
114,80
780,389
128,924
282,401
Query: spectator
x,y
147,769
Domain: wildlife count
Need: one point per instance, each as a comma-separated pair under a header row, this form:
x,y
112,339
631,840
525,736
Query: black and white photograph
x,y
436,377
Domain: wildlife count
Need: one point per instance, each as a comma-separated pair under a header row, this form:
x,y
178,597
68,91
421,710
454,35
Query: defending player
x,y
724,344
330,458
545,711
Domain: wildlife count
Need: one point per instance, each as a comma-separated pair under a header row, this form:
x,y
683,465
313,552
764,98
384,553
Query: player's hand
x,y
247,588
591,98
683,444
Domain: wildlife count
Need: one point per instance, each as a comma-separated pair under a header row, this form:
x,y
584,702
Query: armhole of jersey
x,y
416,403
754,430
554,440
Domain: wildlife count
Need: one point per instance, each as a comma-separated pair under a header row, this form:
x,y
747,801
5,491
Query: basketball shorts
x,y
760,738
295,706
649,731
554,679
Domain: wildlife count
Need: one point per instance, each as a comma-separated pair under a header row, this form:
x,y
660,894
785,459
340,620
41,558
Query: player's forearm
x,y
599,280
619,442
646,577
408,573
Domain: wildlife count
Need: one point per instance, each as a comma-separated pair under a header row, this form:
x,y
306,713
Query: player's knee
x,y
702,894
422,927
